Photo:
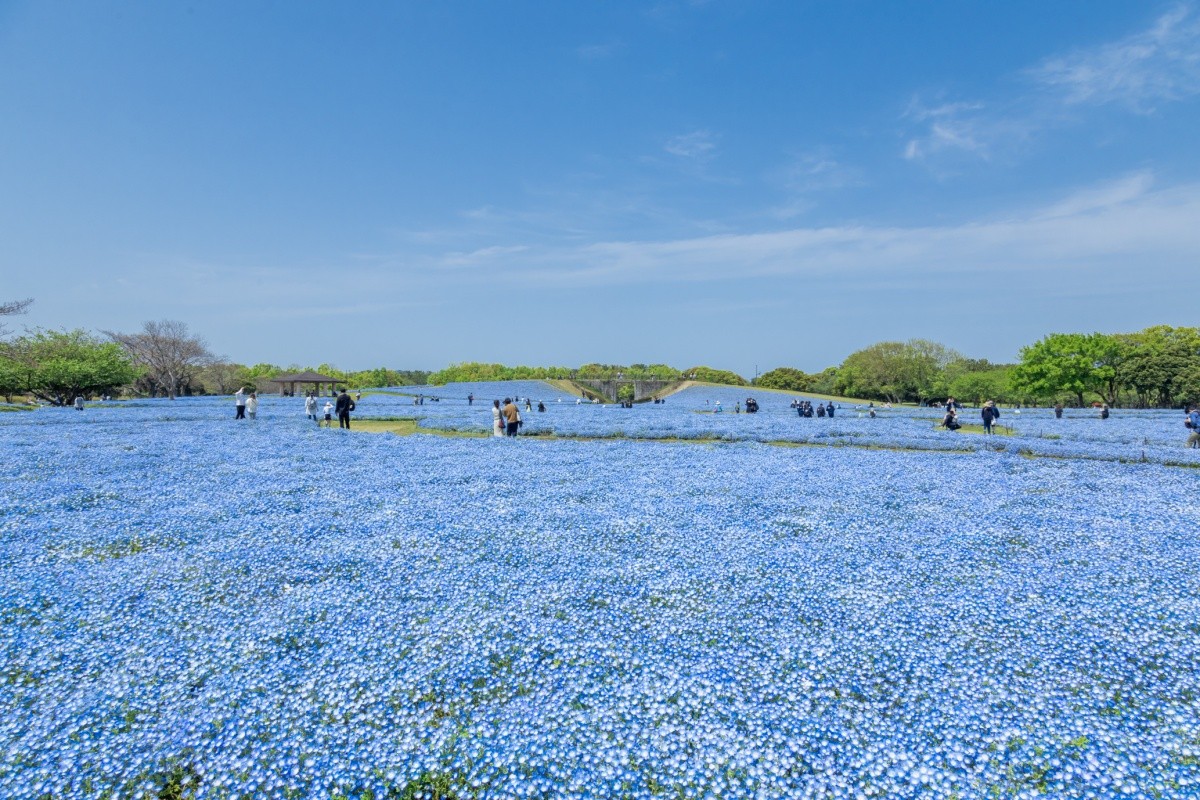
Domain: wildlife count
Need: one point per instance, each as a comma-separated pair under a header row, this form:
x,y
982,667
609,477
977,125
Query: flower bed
x,y
193,606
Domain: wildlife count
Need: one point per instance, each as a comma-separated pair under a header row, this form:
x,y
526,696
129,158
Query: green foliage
x,y
56,366
824,382
976,386
910,371
471,372
1072,363
786,378
710,375
12,379
1162,365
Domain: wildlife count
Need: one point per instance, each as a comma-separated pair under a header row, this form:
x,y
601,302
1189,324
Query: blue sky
x,y
740,184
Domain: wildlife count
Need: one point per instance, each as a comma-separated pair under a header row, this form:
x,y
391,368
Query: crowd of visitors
x,y
507,420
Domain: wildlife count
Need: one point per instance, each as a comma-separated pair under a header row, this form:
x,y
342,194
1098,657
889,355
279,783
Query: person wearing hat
x,y
990,414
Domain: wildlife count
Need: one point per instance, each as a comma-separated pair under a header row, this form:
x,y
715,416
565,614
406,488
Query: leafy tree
x,y
12,378
58,366
1074,363
167,354
710,375
824,382
1158,363
262,373
925,368
786,378
896,371
220,377
976,386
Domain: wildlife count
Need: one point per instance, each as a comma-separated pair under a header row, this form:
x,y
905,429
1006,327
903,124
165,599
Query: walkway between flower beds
x,y
407,427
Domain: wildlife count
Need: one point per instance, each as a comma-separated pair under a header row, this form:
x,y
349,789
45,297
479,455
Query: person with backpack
x,y
990,414
1192,423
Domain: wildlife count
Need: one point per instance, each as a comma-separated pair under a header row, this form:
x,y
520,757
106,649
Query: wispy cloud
x,y
1158,65
484,254
698,144
817,171
949,126
1139,72
598,52
1093,231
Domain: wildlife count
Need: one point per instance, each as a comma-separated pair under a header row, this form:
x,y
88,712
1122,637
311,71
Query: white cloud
x,y
817,171
1097,232
1138,72
699,144
1106,195
1157,65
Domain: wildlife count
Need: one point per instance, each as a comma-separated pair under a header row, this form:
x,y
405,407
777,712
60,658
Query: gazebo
x,y
287,383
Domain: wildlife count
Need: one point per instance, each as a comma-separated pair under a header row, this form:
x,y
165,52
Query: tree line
x,y
1155,367
1158,367
163,359
475,372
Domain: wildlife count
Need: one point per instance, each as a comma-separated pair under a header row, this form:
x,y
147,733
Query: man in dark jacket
x,y
344,406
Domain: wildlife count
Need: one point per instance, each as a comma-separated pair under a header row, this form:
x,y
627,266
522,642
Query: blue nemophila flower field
x,y
193,606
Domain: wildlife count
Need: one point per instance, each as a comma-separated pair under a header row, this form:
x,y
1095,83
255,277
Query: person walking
x,y
1058,410
344,406
239,400
1192,421
497,419
990,414
252,405
328,415
512,417
310,407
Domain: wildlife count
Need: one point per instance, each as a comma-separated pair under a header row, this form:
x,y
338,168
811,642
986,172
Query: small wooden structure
x,y
287,383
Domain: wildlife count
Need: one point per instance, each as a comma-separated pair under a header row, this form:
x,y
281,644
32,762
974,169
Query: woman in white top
x,y
310,407
497,420
252,405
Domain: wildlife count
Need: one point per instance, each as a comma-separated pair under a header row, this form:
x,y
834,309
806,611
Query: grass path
x,y
407,426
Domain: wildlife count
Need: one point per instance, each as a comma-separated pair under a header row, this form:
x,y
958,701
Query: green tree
x,y
710,375
1158,363
976,386
785,378
220,377
57,366
258,376
1073,363
896,371
12,378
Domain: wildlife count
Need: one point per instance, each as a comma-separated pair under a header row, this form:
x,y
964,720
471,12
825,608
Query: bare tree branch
x,y
12,308
167,351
